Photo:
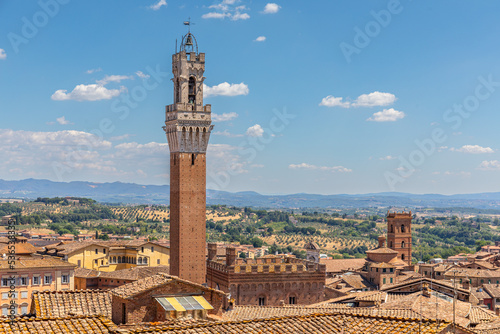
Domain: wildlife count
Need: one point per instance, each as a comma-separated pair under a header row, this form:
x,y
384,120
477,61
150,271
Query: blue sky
x,y
308,96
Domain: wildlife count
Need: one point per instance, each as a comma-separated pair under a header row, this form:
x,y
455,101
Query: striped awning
x,y
187,303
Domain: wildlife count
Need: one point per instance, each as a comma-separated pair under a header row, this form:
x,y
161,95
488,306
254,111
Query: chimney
x,y
381,241
212,251
230,256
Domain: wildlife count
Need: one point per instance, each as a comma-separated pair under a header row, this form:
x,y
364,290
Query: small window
x,y
36,280
5,310
383,280
402,257
158,261
5,282
95,261
65,279
104,250
5,295
262,301
24,280
384,270
24,294
291,300
402,228
47,279
142,249
96,251
79,263
391,279
152,249
402,244
24,309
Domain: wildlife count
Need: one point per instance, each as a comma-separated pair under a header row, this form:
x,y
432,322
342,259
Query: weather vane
x,y
188,23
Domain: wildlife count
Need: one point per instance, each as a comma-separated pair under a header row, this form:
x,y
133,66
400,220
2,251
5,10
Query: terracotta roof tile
x,y
66,325
312,323
342,265
65,303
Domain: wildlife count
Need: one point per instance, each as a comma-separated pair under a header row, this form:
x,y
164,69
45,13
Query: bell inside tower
x,y
192,90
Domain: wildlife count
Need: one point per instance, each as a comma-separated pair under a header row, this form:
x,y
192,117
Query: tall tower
x,y
399,234
188,126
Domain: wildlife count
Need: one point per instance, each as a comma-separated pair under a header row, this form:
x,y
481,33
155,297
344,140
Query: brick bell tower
x,y
188,126
399,234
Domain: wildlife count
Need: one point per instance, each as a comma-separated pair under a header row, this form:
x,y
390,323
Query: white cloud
x,y
225,89
365,100
226,133
113,78
91,92
141,75
215,15
304,165
255,131
461,173
260,39
332,101
490,165
94,70
62,120
374,99
271,8
158,5
473,149
3,55
224,117
387,157
240,16
227,9
387,115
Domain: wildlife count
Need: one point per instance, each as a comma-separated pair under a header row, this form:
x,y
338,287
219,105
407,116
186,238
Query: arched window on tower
x,y
402,244
192,90
392,228
402,228
402,257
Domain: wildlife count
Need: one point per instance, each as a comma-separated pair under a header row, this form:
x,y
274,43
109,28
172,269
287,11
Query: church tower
x,y
188,126
399,234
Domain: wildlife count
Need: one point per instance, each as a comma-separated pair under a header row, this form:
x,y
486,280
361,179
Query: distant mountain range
x,y
118,192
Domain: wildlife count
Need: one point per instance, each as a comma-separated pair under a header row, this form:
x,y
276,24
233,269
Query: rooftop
x,y
66,303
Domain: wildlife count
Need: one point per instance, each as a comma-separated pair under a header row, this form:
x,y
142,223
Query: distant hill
x,y
119,192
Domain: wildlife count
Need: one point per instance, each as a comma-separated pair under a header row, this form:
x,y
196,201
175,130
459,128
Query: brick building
x,y
269,280
188,127
399,234
162,297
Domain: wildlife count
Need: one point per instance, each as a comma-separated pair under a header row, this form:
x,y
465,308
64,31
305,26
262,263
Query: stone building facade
x,y
399,234
187,127
271,280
